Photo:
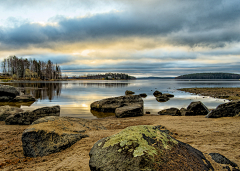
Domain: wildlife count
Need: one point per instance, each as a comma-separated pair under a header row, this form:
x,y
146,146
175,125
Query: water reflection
x,y
103,85
75,97
40,91
17,104
101,114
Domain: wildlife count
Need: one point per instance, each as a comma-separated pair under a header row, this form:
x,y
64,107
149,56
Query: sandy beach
x,y
221,135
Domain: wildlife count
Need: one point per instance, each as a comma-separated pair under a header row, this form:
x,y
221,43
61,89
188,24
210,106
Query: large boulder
x,y
6,111
110,104
185,112
171,111
53,134
129,111
197,108
11,94
145,148
27,117
113,105
229,109
8,91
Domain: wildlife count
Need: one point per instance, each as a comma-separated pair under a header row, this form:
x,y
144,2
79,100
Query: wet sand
x,y
222,93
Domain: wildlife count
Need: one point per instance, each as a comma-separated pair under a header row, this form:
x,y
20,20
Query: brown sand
x,y
221,135
222,93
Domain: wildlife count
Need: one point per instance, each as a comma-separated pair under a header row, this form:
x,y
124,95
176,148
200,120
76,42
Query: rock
x,y
229,109
222,159
170,111
53,134
145,148
110,104
129,111
168,95
185,112
147,112
143,95
27,117
8,91
157,93
24,98
7,110
6,98
128,92
162,98
197,108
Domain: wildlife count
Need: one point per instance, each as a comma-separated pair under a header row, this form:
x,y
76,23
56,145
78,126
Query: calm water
x,y
75,97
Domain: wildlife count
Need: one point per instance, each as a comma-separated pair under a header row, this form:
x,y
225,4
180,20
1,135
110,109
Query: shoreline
x,y
221,93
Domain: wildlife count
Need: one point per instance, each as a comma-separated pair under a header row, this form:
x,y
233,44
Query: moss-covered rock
x,y
145,148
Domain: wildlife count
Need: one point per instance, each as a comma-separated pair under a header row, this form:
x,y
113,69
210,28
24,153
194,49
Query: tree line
x,y
209,76
30,69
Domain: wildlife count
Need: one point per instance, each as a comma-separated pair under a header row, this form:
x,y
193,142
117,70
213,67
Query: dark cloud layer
x,y
193,23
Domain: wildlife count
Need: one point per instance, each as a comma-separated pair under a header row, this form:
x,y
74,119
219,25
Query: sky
x,y
138,37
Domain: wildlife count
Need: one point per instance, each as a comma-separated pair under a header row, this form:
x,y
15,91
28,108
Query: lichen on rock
x,y
145,147
140,134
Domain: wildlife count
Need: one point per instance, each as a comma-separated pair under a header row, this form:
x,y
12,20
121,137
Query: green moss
x,y
132,138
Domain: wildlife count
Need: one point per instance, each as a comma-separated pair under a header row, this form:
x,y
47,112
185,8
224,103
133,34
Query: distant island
x,y
142,78
209,76
106,76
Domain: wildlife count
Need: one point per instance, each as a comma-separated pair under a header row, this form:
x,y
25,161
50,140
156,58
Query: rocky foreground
x,y
191,138
221,135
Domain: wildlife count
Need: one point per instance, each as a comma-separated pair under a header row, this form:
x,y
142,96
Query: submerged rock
x,y
143,95
145,148
171,111
162,98
229,109
168,95
157,93
53,134
27,117
197,108
6,111
128,92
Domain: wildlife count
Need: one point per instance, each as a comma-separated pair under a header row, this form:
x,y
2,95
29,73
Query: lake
x,y
75,97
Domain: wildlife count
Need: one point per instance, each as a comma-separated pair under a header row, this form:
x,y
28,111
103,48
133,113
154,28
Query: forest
x,y
209,76
30,69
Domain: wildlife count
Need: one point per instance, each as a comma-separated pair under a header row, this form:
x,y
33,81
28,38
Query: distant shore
x,y
221,93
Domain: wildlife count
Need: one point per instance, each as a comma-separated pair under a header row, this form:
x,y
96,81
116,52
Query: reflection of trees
x,y
40,90
104,85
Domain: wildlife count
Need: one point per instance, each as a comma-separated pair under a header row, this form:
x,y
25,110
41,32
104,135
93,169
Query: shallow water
x,y
75,97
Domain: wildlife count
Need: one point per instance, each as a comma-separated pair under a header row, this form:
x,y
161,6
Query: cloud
x,y
187,23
